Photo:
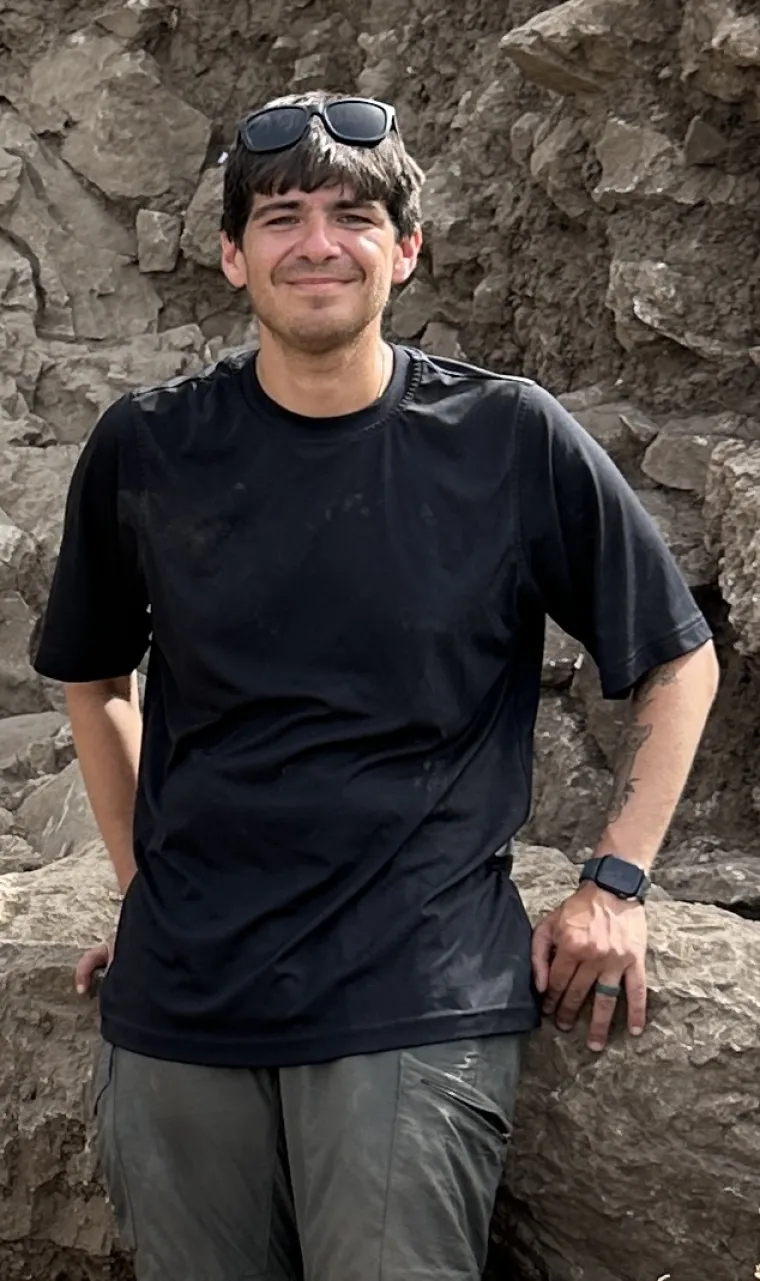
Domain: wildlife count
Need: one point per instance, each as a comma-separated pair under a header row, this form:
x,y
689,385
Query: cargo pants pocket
x,y
103,1104
446,1165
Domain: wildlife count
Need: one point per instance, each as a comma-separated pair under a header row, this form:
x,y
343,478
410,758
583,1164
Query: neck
x,y
328,385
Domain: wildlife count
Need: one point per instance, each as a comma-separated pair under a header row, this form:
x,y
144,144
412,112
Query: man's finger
x,y
602,1012
541,951
575,996
96,958
561,973
635,980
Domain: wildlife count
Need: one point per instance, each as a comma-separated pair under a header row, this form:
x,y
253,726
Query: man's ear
x,y
407,252
233,262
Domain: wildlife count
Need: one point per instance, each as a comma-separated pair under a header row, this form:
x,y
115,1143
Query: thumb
x,y
541,951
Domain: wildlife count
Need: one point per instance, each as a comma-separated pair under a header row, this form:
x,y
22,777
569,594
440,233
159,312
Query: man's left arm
x,y
594,937
595,561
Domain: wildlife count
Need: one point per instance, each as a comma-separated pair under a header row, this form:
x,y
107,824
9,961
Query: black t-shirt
x,y
345,620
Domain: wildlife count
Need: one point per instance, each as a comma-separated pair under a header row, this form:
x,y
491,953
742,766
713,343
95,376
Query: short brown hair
x,y
386,172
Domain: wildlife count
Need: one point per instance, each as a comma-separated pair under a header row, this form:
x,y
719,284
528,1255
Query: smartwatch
x,y
616,875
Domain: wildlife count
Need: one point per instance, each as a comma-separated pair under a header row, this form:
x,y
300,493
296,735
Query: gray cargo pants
x,y
380,1167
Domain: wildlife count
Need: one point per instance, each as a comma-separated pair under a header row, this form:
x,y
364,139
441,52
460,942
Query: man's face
x,y
318,267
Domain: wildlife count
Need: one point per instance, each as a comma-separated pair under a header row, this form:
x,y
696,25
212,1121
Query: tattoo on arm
x,y
634,738
659,676
624,783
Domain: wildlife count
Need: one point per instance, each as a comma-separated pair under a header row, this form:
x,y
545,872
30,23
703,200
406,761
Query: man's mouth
x,y
318,282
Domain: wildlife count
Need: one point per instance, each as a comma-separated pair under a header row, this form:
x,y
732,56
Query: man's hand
x,y
592,938
94,959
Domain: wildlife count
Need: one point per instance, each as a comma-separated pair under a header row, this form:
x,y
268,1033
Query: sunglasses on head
x,y
359,122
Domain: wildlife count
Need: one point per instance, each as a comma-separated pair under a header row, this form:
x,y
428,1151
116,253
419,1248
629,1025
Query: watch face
x,y
620,877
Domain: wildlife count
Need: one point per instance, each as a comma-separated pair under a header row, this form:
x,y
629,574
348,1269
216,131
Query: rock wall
x,y
591,221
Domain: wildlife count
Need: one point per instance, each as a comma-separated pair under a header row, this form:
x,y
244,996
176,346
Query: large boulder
x,y
624,1166
642,1162
56,818
81,256
733,510
87,88
54,1221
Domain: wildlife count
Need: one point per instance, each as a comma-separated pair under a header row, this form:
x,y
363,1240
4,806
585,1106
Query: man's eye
x,y
282,221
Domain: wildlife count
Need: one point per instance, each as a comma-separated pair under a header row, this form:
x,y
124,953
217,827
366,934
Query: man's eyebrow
x,y
276,206
293,206
356,204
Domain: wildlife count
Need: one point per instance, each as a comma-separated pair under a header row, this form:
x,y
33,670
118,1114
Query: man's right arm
x,y
106,724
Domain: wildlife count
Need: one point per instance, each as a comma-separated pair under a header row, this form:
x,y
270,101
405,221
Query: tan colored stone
x,y
200,237
130,20
413,309
448,228
548,50
709,316
94,91
522,136
679,520
721,426
679,461
720,48
491,298
71,902
442,340
682,1100
570,781
18,557
657,1089
56,818
703,144
643,164
28,745
80,382
17,855
34,484
620,427
83,255
11,169
557,164
704,871
604,719
732,505
20,688
561,657
19,359
158,237
580,46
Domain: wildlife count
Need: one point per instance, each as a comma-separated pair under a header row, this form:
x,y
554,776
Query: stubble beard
x,y
319,333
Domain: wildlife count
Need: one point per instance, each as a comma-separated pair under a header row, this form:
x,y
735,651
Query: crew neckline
x,y
353,424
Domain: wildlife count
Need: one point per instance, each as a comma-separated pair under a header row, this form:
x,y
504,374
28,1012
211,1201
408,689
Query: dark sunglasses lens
x,y
281,127
358,121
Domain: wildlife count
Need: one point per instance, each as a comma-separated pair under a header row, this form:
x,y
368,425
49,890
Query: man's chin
x,y
320,334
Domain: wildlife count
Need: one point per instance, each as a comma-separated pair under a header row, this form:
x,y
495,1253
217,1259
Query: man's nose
x,y
318,242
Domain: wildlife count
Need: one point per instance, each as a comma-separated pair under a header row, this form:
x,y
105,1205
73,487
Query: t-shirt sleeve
x,y
97,622
592,553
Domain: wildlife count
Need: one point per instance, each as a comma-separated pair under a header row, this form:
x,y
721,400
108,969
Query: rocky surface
x,y
591,221
632,1165
640,1163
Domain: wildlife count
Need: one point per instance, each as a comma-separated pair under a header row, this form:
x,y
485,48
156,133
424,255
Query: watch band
x,y
618,876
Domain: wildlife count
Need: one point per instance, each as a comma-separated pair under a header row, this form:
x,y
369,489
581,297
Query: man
x,y
342,553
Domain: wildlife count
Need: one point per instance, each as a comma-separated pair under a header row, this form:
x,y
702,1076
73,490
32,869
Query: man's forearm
x,y
107,727
668,715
